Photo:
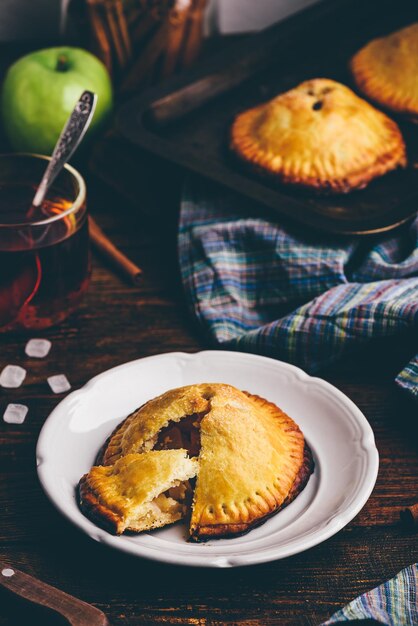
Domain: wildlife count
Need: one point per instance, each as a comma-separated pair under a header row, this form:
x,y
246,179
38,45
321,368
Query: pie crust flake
x,y
319,135
386,71
250,459
139,491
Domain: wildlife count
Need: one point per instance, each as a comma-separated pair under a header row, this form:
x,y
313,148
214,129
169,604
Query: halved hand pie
x,y
386,71
138,492
252,457
319,135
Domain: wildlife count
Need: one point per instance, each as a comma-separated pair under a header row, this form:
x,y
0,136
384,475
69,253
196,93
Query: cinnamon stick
x,y
145,63
113,26
194,35
123,28
121,262
99,33
178,22
144,27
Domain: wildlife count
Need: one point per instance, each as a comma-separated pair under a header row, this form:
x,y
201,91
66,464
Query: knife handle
x,y
75,611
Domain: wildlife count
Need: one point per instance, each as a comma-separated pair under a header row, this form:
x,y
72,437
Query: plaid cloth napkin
x,y
257,286
395,603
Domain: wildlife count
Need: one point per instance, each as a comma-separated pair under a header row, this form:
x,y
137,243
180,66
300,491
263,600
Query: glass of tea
x,y
44,252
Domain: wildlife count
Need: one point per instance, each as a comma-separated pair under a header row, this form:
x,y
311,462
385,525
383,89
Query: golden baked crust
x,y
139,431
211,531
253,459
319,135
138,492
386,71
251,455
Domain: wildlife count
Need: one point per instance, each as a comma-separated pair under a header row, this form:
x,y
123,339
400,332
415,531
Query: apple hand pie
x,y
252,458
386,71
319,135
139,492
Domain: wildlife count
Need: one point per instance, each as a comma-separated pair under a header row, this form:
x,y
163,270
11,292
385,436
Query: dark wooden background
x,y
118,323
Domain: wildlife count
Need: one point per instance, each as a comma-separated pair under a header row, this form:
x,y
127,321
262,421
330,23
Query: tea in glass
x,y
44,251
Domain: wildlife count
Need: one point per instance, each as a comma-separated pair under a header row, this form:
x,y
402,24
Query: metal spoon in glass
x,y
70,138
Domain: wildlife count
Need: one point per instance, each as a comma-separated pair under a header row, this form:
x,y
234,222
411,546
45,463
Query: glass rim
x,y
75,206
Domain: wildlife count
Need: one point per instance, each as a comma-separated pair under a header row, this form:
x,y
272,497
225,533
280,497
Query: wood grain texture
x,y
117,323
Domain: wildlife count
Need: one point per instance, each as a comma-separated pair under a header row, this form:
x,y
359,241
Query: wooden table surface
x,y
117,323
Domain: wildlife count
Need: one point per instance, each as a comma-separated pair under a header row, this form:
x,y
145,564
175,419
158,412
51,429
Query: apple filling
x,y
183,434
166,508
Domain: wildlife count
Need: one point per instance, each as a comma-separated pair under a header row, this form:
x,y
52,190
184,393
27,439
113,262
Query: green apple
x,y
40,91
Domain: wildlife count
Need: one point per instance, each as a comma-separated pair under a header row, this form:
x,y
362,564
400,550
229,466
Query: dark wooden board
x,y
186,120
118,323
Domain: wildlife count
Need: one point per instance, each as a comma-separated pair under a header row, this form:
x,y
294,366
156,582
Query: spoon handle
x,y
73,132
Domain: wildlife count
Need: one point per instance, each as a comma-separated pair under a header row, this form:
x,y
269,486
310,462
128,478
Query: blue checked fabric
x,y
307,299
395,603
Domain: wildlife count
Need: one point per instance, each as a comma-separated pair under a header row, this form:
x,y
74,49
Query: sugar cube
x,y
38,348
12,376
15,413
59,383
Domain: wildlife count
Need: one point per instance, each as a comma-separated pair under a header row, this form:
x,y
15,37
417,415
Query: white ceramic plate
x,y
340,437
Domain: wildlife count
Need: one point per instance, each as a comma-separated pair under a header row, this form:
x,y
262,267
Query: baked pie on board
x,y
386,71
320,136
251,460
